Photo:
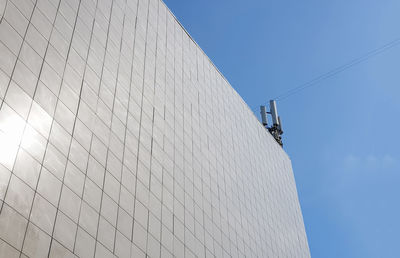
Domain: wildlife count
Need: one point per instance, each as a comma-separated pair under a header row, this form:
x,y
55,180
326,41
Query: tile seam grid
x,y
209,59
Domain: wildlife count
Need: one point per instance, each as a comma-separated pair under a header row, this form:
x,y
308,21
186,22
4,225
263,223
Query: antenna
x,y
274,112
263,111
276,128
280,125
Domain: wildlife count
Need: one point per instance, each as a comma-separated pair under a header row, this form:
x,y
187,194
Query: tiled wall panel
x,y
119,138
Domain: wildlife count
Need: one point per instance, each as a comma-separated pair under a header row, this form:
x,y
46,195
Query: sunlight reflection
x,y
11,130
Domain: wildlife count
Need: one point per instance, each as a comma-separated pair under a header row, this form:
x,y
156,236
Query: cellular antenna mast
x,y
276,128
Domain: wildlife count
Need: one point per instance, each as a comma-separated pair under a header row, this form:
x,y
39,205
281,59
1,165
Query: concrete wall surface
x,y
119,138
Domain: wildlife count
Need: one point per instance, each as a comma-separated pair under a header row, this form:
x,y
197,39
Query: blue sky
x,y
343,134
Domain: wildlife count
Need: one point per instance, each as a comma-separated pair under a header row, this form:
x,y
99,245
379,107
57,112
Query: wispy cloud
x,y
370,161
389,161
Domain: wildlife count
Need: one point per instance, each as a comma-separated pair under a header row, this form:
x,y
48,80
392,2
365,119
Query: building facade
x,y
119,138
